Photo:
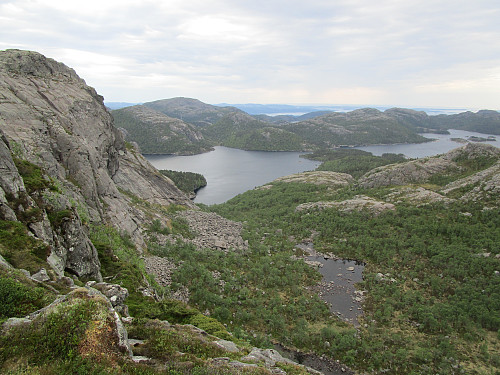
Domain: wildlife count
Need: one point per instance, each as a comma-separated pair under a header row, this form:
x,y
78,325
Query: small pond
x,y
337,286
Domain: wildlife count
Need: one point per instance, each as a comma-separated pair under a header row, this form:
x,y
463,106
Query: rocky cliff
x,y
53,124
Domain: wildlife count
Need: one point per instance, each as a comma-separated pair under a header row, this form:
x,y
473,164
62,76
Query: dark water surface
x,y
337,287
442,144
230,171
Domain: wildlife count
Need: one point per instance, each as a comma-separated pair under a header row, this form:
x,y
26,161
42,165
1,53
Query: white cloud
x,y
352,51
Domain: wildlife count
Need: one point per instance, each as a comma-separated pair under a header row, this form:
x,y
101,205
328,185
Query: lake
x,y
230,171
442,144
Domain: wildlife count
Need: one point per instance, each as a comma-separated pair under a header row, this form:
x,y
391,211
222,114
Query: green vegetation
x,y
437,315
19,296
188,182
431,281
33,176
352,161
264,139
20,249
365,126
164,135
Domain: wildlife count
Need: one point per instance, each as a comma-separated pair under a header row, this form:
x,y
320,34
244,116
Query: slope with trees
x,y
156,133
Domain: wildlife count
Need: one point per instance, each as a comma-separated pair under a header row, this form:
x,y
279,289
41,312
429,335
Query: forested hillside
x,y
156,133
432,260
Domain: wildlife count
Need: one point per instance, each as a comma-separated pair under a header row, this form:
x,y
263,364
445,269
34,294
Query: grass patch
x,y
20,296
33,176
20,249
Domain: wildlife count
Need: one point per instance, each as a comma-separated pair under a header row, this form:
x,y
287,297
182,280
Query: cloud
x,y
357,51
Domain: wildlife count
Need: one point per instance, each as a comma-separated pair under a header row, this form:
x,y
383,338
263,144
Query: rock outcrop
x,y
332,179
421,170
482,185
50,118
357,203
415,171
415,195
214,232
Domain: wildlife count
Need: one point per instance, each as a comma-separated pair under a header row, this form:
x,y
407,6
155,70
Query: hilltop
x,y
157,133
232,127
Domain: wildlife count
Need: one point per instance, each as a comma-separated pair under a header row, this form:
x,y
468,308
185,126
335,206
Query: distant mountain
x,y
157,133
362,126
229,126
485,121
232,127
240,130
281,119
192,111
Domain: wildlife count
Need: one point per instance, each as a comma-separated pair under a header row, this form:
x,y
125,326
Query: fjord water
x,y
230,171
442,144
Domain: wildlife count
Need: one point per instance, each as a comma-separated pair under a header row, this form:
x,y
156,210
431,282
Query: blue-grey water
x,y
337,287
442,144
230,171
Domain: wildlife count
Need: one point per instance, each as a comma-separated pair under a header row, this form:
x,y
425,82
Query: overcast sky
x,y
434,53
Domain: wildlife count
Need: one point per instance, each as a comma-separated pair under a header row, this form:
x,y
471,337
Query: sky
x,y
409,53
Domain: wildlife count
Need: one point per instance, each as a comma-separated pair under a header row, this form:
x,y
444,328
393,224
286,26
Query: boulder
x,y
41,276
116,295
269,356
4,263
14,322
228,346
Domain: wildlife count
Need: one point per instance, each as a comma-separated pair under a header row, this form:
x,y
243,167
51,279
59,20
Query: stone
x,y
332,179
60,124
269,356
41,276
122,334
140,358
358,203
4,263
228,346
115,293
14,322
66,281
25,272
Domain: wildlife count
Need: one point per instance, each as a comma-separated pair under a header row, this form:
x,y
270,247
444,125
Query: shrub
x,y
210,325
17,299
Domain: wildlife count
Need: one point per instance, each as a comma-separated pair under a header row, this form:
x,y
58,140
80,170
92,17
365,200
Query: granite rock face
x,y
52,119
357,203
416,171
421,170
332,179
